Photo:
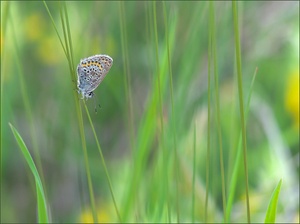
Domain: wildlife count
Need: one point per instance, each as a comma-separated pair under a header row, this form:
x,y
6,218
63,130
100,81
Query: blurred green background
x,y
37,98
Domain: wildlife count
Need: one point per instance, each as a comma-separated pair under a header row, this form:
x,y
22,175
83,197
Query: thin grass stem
x,y
172,98
194,174
26,101
208,117
127,78
240,88
67,38
214,48
237,162
56,30
103,163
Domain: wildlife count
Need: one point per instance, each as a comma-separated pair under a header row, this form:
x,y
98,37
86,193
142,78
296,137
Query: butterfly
x,y
90,73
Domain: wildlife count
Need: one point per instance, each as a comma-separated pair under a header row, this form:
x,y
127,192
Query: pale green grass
x,y
217,101
69,54
41,198
272,208
175,171
241,102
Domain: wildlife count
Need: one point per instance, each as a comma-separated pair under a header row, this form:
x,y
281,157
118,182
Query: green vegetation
x,y
199,115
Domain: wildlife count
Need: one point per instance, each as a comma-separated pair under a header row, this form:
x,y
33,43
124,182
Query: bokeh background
x,y
37,98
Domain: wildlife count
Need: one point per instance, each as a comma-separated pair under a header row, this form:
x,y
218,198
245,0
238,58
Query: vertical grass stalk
x,y
103,163
208,116
214,48
171,93
240,88
69,55
173,115
78,109
194,175
236,166
161,136
147,129
127,78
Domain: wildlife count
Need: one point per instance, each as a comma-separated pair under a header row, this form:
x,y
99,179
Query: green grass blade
x,y
41,202
240,88
41,199
271,212
161,136
208,119
69,41
216,79
104,164
26,101
67,37
127,77
194,175
56,30
237,162
147,128
69,55
172,97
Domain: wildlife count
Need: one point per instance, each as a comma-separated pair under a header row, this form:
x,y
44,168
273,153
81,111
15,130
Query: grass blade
x,y
69,55
26,101
41,199
104,164
240,88
127,76
172,97
67,37
271,212
208,118
161,136
237,162
216,79
56,30
194,175
147,128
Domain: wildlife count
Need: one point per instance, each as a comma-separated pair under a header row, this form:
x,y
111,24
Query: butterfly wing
x,y
91,71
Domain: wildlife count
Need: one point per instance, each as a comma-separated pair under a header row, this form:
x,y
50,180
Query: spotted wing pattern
x,y
90,73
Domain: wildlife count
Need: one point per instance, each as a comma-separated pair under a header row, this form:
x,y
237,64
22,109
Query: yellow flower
x,y
103,215
49,50
34,26
292,96
104,45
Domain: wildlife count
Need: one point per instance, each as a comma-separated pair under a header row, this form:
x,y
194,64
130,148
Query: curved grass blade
x,y
271,212
41,199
